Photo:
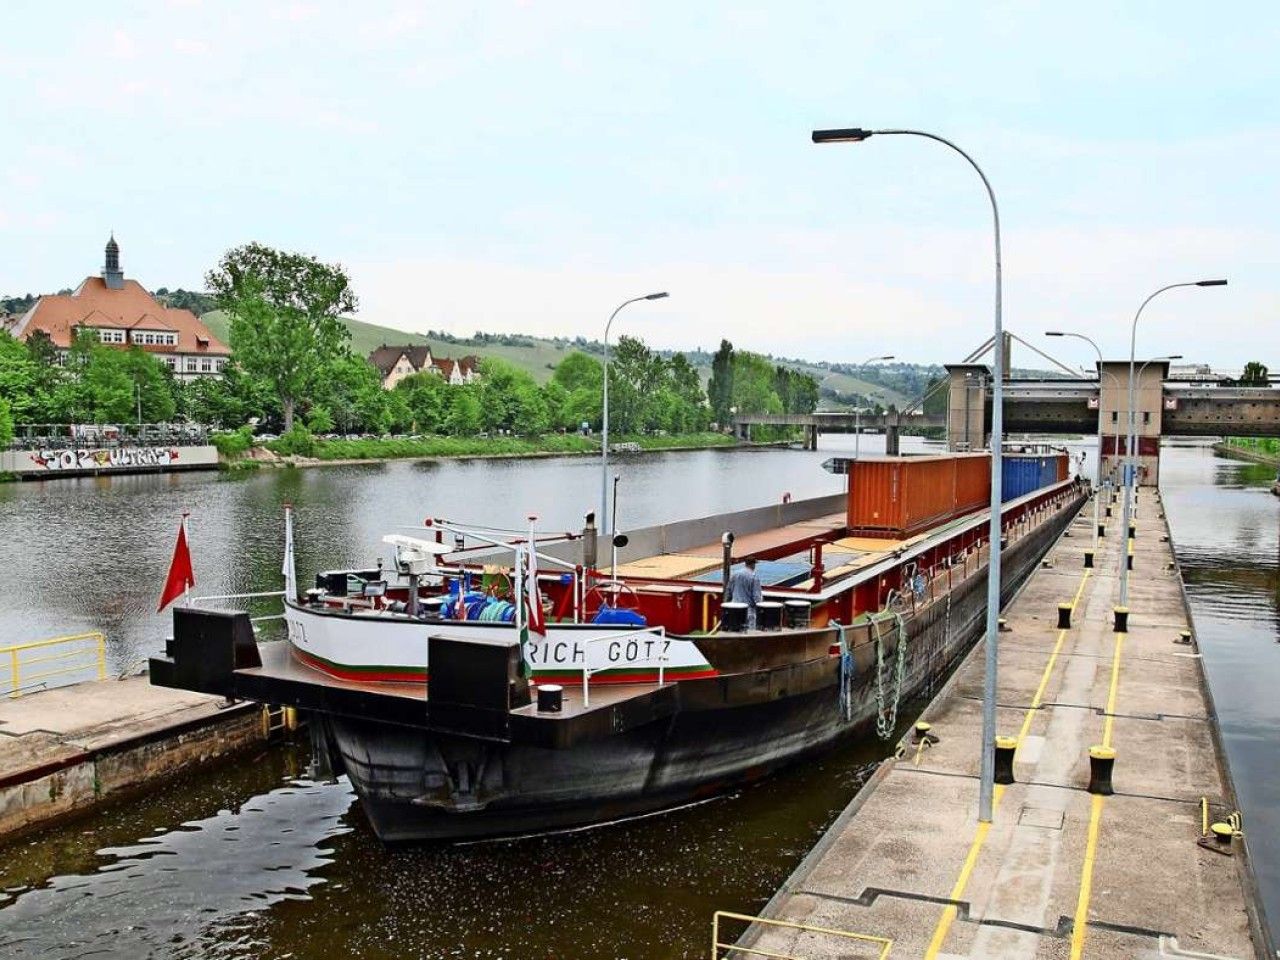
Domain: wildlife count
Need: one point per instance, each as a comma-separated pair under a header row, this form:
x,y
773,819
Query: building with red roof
x,y
122,313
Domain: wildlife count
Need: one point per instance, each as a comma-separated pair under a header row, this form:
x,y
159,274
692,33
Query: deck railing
x,y
54,662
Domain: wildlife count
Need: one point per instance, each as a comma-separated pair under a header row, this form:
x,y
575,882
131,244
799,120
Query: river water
x,y
256,860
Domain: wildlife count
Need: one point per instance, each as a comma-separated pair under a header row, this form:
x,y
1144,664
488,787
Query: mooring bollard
x,y
1122,619
1005,747
1002,625
1102,760
1108,510
1064,616
1184,636
1223,833
920,731
1133,529
1102,529
1088,559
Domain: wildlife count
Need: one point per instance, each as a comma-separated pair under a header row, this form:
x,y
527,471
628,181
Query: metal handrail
x,y
17,662
884,943
588,670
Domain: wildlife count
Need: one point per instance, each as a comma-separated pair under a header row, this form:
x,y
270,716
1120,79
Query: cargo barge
x,y
493,682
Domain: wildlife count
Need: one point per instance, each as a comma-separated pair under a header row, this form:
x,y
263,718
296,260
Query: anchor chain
x,y
887,719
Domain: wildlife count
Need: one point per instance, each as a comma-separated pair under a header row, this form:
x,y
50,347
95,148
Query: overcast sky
x,y
525,166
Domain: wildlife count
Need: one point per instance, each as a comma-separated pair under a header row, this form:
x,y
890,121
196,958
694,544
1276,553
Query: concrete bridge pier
x,y
811,437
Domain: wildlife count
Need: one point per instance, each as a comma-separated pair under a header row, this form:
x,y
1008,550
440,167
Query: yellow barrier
x,y
881,944
81,647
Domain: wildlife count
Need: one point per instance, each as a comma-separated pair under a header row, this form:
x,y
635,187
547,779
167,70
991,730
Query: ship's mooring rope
x,y
887,719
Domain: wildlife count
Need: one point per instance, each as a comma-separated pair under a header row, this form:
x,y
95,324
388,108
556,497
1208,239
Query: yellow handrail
x,y
17,662
884,944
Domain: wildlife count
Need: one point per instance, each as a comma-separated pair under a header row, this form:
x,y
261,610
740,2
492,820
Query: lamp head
x,y
1211,283
887,357
1054,333
657,296
849,135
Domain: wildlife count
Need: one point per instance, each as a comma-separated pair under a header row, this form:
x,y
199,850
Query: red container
x,y
904,495
1064,466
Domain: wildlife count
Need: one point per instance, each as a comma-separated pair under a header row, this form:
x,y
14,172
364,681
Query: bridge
x,y
1164,408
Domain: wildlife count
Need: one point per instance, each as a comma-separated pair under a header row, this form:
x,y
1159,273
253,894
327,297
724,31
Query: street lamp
x,y
604,431
1130,460
987,784
1097,484
857,411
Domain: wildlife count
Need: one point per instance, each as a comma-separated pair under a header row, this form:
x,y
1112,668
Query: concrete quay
x,y
1060,872
67,749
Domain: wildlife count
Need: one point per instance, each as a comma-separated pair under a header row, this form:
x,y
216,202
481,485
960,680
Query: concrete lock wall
x,y
45,464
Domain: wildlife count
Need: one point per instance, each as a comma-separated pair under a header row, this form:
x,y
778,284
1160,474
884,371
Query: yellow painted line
x,y
1048,669
980,836
957,891
1111,694
1081,924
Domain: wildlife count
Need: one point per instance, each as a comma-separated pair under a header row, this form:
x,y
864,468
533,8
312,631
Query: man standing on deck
x,y
744,587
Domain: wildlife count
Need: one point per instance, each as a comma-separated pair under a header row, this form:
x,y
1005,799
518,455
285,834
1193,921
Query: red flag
x,y
181,577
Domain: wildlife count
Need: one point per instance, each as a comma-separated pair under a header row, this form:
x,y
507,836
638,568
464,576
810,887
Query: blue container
x,y
1020,475
1048,471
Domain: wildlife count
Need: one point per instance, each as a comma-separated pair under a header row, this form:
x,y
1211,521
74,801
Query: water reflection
x,y
1226,528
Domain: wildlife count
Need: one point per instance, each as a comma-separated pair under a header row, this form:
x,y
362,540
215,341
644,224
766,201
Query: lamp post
x,y
1130,460
857,411
1097,484
987,785
604,427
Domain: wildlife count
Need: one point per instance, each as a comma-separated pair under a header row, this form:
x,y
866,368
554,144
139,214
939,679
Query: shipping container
x,y
1020,475
904,495
1024,473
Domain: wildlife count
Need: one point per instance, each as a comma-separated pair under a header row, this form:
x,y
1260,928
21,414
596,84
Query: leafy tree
x,y
578,370
1255,374
465,416
426,397
6,424
319,420
720,388
19,380
285,316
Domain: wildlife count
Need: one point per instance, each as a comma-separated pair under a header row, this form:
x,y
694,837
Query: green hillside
x,y
539,359
539,356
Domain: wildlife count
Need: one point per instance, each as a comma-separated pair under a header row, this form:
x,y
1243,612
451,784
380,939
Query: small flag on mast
x,y
537,620
181,576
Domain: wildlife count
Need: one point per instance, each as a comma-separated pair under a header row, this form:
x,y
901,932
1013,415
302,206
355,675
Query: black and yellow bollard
x,y
1223,833
1005,748
1184,636
1129,557
1102,761
1108,510
1064,616
1122,619
1088,559
1102,529
920,733
1133,529
1002,625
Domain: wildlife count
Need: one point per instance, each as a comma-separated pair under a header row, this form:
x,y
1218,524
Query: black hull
x,y
423,785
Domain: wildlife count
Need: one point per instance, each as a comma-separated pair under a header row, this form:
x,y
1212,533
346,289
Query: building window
x,y
191,364
206,365
111,336
172,362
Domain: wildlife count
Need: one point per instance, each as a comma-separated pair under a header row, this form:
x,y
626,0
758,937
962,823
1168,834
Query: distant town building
x,y
122,313
396,363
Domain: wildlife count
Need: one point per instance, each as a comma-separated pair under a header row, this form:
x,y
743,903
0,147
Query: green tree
x,y
426,397
6,424
319,420
579,370
721,387
1255,374
464,418
285,316
19,382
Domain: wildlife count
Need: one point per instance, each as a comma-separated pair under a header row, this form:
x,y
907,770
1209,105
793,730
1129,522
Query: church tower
x,y
111,272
